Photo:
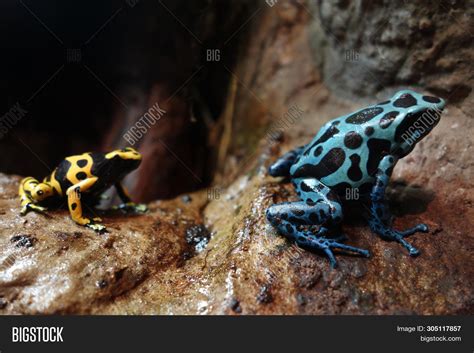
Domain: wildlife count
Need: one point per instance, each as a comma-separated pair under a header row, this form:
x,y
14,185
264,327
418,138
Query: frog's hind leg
x,y
319,207
282,166
128,205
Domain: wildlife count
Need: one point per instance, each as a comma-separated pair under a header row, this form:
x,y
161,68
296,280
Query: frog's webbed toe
x,y
99,228
131,207
32,207
399,236
419,228
327,245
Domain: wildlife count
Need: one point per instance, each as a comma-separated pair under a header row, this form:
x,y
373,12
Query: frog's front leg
x,y
75,205
380,217
128,205
319,207
283,164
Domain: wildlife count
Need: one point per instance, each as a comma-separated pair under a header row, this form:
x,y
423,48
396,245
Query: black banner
x,y
291,334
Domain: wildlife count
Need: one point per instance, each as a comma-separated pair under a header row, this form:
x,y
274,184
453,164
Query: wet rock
x,y
61,267
359,269
198,236
68,236
102,283
235,306
265,295
23,241
301,299
186,198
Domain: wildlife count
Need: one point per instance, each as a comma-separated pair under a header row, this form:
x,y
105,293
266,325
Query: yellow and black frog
x,y
82,178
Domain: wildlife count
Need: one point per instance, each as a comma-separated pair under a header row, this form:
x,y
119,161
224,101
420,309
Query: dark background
x,y
126,53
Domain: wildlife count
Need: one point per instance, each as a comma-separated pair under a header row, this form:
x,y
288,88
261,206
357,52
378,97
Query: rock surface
x,y
161,262
363,47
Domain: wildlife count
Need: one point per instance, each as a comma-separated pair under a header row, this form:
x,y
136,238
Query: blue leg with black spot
x,y
283,164
381,219
319,207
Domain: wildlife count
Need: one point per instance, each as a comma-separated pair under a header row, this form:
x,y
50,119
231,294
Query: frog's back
x,y
345,152
74,169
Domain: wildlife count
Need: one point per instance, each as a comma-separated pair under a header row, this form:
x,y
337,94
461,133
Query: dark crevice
x,y
112,64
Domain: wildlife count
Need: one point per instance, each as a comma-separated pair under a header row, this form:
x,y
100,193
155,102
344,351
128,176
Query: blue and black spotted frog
x,y
355,152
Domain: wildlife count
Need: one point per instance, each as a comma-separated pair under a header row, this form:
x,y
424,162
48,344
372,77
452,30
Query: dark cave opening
x,y
83,73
